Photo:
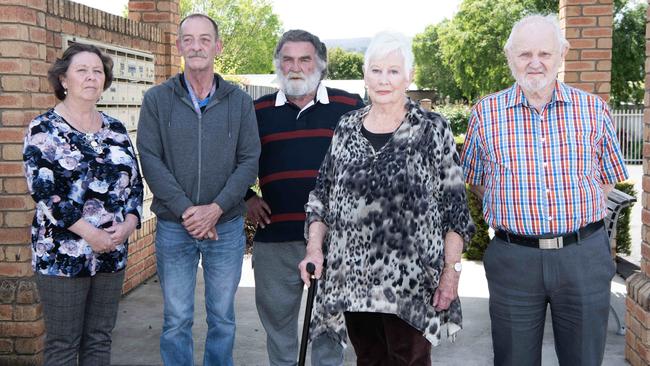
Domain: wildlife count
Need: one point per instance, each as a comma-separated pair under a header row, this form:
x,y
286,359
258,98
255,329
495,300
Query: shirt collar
x,y
321,96
516,95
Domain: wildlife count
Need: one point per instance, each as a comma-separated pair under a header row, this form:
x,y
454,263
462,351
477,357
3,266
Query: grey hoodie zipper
x,y
198,193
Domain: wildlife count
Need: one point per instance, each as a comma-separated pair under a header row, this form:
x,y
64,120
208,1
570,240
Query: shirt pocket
x,y
577,150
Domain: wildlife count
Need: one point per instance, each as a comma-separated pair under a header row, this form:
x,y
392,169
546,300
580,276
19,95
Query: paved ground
x,y
136,335
135,339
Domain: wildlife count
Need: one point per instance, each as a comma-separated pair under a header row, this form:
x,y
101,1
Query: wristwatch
x,y
456,266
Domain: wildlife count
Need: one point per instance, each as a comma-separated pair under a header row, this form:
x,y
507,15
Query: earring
x,y
65,91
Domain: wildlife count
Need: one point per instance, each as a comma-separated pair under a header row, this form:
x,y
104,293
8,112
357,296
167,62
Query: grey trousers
x,y
278,292
80,315
574,281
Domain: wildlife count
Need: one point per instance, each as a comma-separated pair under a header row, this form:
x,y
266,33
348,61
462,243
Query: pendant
x,y
94,144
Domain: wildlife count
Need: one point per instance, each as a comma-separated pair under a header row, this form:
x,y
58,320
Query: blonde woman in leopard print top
x,y
389,217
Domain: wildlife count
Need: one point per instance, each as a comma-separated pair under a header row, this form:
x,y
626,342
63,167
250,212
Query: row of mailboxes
x,y
127,115
124,93
136,69
128,64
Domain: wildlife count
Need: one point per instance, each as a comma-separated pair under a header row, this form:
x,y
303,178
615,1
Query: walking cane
x,y
310,303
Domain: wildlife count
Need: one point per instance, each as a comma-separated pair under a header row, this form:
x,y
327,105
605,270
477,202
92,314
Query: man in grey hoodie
x,y
199,150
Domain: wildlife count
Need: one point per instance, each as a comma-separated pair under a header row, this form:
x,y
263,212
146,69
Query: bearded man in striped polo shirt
x,y
543,156
296,125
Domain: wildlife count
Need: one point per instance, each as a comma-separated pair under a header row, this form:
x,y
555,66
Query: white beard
x,y
298,88
534,85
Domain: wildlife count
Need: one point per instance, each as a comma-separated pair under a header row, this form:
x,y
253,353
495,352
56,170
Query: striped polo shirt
x,y
294,143
542,172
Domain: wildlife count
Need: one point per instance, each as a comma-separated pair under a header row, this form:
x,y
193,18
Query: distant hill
x,y
349,44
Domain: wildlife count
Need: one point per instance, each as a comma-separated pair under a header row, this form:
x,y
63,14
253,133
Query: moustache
x,y
296,75
196,54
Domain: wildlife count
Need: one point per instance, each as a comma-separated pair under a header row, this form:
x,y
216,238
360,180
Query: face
x,y
198,44
298,71
386,79
85,77
535,57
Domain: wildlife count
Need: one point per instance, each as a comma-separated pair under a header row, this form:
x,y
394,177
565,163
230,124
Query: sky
x,y
339,19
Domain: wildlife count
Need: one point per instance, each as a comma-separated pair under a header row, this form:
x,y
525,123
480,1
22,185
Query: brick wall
x,y
587,26
637,317
31,37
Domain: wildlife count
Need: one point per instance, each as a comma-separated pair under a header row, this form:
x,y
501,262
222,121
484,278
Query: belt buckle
x,y
552,243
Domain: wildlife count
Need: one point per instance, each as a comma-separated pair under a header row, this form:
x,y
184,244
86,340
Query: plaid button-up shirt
x,y
543,172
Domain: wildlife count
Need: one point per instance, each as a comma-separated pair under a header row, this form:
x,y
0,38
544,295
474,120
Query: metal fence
x,y
256,91
629,129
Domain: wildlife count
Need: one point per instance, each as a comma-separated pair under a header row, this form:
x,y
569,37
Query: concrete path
x,y
135,338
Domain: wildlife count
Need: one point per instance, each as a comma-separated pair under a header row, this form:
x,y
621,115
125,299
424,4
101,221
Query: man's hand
x,y
447,289
315,256
200,221
258,211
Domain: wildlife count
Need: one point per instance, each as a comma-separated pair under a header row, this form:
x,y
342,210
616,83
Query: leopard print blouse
x,y
387,212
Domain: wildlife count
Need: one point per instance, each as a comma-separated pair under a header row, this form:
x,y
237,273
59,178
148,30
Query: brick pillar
x,y
165,15
587,26
637,318
23,92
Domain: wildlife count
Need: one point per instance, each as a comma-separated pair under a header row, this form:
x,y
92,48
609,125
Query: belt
x,y
551,242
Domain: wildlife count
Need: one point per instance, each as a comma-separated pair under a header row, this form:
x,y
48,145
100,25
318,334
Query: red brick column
x,y
637,318
163,14
587,26
23,92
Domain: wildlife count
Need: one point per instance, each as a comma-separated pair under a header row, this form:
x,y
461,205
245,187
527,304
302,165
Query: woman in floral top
x,y
389,208
83,174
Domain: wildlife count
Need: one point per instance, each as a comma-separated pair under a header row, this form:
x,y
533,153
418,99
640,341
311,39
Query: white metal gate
x,y
629,129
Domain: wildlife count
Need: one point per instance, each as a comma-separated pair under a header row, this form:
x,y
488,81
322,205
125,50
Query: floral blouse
x,y
387,213
73,176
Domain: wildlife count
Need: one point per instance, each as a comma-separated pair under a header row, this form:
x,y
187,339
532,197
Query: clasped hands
x,y
200,221
108,239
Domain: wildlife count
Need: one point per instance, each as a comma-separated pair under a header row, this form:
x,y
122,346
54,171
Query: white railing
x,y
256,91
629,129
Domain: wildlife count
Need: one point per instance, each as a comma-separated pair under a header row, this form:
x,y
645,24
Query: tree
x,y
431,70
248,29
628,53
464,56
343,65
472,45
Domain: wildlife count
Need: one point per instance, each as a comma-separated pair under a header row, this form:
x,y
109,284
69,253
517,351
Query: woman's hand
x,y
447,290
100,241
120,232
314,252
315,256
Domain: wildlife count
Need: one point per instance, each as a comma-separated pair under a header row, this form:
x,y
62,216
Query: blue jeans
x,y
177,256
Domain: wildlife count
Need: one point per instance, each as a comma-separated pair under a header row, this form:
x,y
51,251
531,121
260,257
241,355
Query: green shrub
x,y
481,238
457,115
459,140
623,238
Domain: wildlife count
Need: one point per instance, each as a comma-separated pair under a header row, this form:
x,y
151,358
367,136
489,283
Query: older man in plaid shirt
x,y
543,156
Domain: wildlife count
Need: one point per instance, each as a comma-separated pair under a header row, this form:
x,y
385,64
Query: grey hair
x,y
386,42
299,35
549,19
198,15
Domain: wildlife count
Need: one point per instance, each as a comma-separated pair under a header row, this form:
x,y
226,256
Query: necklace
x,y
92,139
390,126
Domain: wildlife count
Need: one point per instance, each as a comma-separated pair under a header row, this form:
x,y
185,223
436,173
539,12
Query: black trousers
x,y
386,340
